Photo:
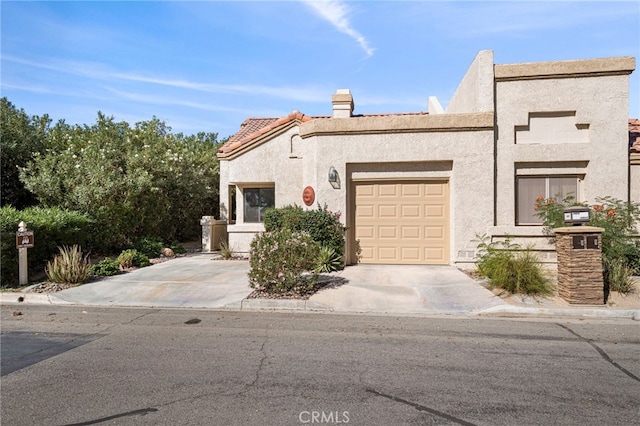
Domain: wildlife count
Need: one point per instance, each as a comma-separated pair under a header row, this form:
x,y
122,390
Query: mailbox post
x,y
579,250
24,241
214,233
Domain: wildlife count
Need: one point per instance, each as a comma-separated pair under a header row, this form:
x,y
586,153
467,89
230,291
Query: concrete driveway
x,y
200,281
196,281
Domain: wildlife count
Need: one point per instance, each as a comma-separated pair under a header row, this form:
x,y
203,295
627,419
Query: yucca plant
x,y
69,267
328,260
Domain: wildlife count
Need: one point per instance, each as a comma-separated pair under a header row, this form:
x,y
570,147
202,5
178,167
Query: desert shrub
x,y
323,225
225,250
508,266
620,252
149,246
328,260
69,267
105,268
52,228
617,275
131,257
282,261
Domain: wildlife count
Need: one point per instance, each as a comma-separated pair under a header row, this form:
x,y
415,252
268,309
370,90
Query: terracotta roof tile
x,y
634,135
253,128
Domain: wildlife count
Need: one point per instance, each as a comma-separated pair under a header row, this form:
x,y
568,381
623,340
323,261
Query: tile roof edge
x,y
295,115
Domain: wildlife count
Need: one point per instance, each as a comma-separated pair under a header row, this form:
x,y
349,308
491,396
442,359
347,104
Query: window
x,y
256,201
232,204
530,188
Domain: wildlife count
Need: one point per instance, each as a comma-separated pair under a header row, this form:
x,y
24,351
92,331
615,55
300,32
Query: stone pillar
x,y
214,232
580,279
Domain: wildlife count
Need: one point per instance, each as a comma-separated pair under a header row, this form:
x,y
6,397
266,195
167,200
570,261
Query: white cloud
x,y
283,92
336,12
100,72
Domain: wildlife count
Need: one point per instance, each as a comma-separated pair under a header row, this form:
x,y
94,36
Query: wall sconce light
x,y
334,178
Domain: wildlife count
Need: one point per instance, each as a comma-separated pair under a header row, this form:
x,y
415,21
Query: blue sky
x,y
209,65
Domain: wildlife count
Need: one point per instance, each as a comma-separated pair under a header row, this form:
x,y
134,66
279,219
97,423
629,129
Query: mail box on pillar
x,y
576,215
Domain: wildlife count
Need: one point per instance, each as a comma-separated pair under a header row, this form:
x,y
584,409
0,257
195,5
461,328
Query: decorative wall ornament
x,y
308,196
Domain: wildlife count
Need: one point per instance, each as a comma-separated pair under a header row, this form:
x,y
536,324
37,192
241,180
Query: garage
x,y
402,222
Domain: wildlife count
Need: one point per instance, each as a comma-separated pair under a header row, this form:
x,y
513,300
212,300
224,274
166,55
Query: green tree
x,y
20,137
133,181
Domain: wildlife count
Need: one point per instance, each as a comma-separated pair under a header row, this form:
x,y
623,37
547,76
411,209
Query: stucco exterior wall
x,y
553,118
270,163
475,91
462,158
600,104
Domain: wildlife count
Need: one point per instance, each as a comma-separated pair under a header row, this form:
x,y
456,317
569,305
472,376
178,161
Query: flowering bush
x,y
283,261
620,252
131,180
322,224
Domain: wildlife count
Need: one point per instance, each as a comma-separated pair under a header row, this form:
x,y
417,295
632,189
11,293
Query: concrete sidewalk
x,y
202,281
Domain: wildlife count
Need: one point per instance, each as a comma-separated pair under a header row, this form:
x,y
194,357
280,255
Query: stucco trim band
x,y
398,124
565,69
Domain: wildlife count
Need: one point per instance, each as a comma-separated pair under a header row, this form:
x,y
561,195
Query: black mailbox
x,y
593,242
578,242
576,215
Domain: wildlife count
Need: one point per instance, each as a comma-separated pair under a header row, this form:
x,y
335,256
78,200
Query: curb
x,y
283,305
27,298
503,311
603,313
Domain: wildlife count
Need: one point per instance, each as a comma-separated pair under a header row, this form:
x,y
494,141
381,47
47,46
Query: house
x,y
419,188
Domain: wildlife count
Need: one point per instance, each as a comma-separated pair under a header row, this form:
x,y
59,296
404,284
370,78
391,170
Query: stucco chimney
x,y
342,103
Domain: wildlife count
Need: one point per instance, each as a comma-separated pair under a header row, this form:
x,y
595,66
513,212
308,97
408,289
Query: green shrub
x,y
323,225
509,267
69,267
283,261
150,247
134,180
131,257
52,228
620,253
177,248
105,268
328,260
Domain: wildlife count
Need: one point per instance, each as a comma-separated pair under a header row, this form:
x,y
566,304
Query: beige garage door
x,y
403,222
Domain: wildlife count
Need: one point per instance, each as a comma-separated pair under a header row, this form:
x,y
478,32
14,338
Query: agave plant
x,y
69,267
328,260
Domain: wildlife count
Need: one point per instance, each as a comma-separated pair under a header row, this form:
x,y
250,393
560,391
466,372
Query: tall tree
x,y
140,181
21,137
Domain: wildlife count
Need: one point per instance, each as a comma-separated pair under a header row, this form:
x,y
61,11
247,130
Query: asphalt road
x,y
118,366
